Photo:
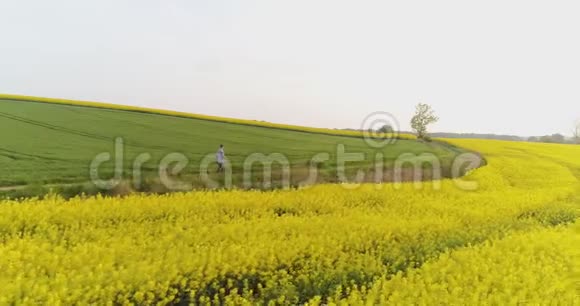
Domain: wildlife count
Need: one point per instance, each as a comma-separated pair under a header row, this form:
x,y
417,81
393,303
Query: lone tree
x,y
576,132
424,115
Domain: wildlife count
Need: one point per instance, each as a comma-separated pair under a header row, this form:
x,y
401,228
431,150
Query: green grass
x,y
46,143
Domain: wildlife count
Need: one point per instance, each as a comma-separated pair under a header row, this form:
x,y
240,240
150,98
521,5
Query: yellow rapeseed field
x,y
509,241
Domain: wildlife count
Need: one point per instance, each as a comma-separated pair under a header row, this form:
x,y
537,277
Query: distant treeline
x,y
554,138
477,136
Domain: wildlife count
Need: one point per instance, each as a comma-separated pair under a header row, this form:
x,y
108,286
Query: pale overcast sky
x,y
510,67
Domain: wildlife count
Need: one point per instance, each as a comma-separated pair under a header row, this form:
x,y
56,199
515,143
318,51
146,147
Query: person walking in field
x,y
220,158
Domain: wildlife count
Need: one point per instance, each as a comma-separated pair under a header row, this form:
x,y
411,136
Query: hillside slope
x,y
51,143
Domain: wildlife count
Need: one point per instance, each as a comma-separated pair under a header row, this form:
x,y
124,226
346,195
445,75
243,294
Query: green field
x,y
47,144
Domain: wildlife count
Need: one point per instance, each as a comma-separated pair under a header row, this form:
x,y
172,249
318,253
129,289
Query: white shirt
x,y
220,155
